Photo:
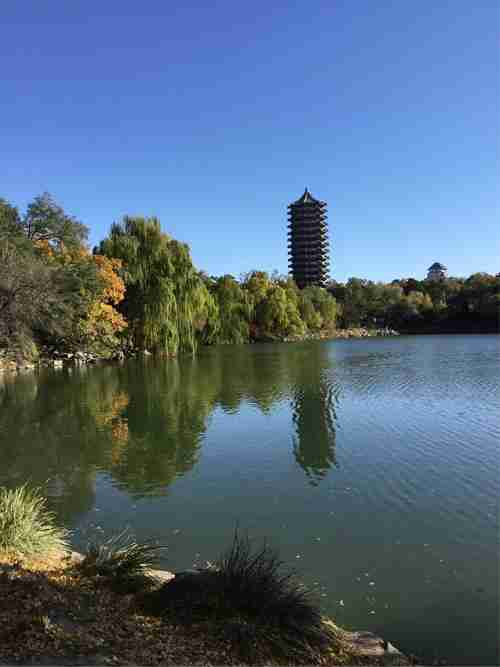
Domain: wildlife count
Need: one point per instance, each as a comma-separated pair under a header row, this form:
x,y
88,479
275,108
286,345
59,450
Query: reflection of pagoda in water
x,y
314,418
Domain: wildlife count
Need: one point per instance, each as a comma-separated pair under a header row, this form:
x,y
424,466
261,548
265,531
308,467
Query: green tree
x,y
236,307
324,307
10,222
481,294
409,310
46,221
258,284
296,327
355,304
274,312
411,285
165,296
30,295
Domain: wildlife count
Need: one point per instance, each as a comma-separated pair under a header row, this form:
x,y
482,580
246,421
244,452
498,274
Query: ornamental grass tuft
x,y
27,527
248,597
121,561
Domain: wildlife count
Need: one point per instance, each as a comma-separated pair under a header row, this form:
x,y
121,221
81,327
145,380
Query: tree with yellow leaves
x,y
99,288
53,291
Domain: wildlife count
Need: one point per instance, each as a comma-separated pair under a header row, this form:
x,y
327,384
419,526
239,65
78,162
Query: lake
x,y
372,464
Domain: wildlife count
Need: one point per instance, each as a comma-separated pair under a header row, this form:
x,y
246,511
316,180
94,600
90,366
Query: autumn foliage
x,y
53,291
103,321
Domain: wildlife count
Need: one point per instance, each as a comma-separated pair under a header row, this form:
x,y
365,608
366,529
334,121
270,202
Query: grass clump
x,y
122,561
27,527
248,597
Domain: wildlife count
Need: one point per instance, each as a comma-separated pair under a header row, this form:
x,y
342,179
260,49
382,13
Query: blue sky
x,y
214,116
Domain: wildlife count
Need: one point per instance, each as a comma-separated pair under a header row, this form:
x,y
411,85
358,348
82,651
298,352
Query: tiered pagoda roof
x,y
308,241
437,266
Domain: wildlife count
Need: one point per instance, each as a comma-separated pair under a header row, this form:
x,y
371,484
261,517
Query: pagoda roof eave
x,y
307,198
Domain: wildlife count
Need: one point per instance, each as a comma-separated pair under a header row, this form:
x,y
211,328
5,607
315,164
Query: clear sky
x,y
215,115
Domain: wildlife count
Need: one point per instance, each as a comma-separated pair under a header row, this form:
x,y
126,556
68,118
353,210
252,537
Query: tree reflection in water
x,y
45,440
143,422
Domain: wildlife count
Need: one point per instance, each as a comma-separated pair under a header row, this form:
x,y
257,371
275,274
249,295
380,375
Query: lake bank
x,y
56,358
79,620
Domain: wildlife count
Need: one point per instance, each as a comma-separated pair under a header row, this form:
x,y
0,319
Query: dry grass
x,y
52,611
49,610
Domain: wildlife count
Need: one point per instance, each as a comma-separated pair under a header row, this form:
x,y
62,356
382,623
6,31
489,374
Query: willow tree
x,y
235,310
165,296
318,308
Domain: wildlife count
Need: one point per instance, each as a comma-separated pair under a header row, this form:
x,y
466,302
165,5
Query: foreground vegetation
x,y
139,290
244,609
121,562
261,609
27,527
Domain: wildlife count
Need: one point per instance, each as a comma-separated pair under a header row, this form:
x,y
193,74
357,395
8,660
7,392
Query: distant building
x,y
308,241
437,272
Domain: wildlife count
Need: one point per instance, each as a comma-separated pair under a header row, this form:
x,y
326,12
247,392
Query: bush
x,y
263,610
122,561
27,527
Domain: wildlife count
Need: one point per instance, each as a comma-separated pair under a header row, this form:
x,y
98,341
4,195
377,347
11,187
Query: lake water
x,y
372,464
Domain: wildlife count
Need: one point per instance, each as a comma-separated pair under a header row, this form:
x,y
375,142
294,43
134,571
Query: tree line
x,y
419,306
138,289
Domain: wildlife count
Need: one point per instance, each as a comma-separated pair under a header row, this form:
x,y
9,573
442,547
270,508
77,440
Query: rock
x,y
161,576
188,582
74,557
184,592
366,645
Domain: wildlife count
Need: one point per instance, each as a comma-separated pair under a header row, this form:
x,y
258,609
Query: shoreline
x,y
350,647
56,359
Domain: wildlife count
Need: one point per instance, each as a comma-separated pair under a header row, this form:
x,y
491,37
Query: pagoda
x,y
308,241
437,272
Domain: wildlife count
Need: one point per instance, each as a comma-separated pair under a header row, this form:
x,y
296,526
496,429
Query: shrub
x,y
27,527
262,609
122,561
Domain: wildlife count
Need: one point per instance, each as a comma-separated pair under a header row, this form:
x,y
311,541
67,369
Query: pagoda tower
x,y
437,272
308,241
